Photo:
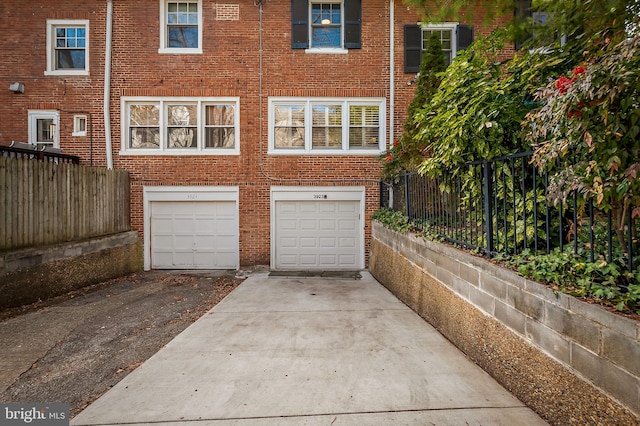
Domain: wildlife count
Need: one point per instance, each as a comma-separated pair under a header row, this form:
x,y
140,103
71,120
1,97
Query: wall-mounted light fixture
x,y
16,87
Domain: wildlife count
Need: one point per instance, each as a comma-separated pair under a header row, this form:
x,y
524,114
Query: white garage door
x,y
317,235
194,235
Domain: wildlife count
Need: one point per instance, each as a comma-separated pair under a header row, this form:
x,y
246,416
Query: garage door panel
x,y
326,242
346,224
327,207
347,208
327,224
194,235
308,243
316,234
347,242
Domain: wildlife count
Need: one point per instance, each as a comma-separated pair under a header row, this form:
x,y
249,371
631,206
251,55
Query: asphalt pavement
x,y
293,350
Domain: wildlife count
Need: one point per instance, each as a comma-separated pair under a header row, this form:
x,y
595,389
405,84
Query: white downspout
x,y
107,84
392,71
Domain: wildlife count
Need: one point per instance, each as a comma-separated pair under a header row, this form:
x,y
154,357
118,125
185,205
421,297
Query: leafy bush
x,y
478,110
587,130
393,219
409,151
604,282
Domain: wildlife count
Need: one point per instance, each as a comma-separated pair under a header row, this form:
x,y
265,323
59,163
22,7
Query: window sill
x,y
327,50
67,72
179,51
362,152
178,153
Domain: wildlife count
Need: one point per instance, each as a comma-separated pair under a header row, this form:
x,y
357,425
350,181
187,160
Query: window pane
x,y
45,130
144,137
364,130
186,37
289,126
220,137
182,137
80,124
326,19
326,115
325,13
326,137
363,137
289,137
363,115
327,126
182,115
144,115
289,115
219,126
70,59
325,37
182,122
220,115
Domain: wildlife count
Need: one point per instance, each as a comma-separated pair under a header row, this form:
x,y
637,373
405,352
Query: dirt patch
x,y
94,337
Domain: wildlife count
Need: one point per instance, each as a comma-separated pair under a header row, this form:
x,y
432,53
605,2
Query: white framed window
x,y
67,47
326,125
180,26
447,34
180,126
79,125
43,128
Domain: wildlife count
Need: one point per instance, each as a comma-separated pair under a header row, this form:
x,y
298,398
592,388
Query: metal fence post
x,y
488,205
406,195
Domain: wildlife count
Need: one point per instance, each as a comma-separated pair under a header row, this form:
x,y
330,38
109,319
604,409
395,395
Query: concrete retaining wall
x,y
572,362
29,275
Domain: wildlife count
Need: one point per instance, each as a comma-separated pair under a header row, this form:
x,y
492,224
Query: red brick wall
x,y
229,66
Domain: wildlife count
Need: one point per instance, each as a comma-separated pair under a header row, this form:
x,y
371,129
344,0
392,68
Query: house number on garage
x,y
192,196
320,196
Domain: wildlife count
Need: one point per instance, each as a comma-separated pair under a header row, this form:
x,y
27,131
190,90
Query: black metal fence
x,y
500,206
31,152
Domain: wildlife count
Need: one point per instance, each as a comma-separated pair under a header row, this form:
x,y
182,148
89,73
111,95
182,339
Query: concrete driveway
x,y
308,351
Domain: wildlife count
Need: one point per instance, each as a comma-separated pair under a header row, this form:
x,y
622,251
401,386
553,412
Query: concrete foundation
x,y
571,362
33,274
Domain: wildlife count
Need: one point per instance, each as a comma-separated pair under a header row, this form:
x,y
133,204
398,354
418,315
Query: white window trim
x,y
76,125
163,150
163,32
453,26
345,102
330,50
51,25
34,115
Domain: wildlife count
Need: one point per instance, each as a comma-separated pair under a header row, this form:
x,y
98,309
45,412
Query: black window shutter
x,y
412,48
299,24
464,36
352,24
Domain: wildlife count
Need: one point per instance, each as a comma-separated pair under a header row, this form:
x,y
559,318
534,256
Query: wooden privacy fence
x,y
44,203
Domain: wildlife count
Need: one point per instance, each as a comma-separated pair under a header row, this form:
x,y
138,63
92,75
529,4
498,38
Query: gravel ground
x,y
73,348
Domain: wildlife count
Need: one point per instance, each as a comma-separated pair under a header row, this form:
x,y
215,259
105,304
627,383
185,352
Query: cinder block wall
x,y
572,362
29,275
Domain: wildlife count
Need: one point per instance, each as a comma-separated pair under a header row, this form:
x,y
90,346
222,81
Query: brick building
x,y
251,129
